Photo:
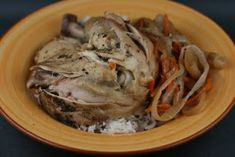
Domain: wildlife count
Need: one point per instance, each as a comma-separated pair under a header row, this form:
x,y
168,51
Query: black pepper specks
x,y
117,45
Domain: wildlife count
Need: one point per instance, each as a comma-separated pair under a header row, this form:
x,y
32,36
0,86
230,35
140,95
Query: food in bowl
x,y
107,74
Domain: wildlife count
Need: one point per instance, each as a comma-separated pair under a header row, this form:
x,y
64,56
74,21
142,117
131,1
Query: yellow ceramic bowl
x,y
19,44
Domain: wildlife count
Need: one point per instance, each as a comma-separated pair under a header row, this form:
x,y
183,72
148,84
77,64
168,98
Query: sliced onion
x,y
191,63
178,96
153,107
175,109
168,96
192,110
216,61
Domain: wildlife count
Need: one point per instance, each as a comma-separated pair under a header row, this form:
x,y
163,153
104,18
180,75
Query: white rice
x,y
132,124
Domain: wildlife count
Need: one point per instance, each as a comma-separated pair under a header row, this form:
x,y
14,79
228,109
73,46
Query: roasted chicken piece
x,y
97,69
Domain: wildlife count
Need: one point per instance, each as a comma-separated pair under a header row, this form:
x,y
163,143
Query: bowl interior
x,y
19,45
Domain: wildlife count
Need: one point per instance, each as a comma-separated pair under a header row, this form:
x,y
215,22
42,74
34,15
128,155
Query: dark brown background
x,y
219,141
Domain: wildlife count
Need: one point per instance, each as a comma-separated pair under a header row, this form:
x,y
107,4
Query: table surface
x,y
217,142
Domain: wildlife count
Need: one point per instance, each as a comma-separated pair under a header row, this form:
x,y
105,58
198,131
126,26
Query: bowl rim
x,y
37,138
76,150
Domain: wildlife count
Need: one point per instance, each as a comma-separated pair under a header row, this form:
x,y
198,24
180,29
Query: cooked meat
x,y
99,71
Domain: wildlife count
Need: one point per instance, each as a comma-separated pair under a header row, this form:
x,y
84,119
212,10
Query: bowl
x,y
19,44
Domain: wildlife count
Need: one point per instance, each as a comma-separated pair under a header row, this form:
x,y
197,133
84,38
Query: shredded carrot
x,y
205,88
173,61
163,78
148,109
194,98
163,107
208,84
112,66
151,85
177,67
169,87
166,25
176,47
186,79
165,64
177,89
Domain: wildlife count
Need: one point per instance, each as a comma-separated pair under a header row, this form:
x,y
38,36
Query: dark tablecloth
x,y
217,142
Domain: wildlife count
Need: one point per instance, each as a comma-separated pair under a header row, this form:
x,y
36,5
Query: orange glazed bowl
x,y
18,46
